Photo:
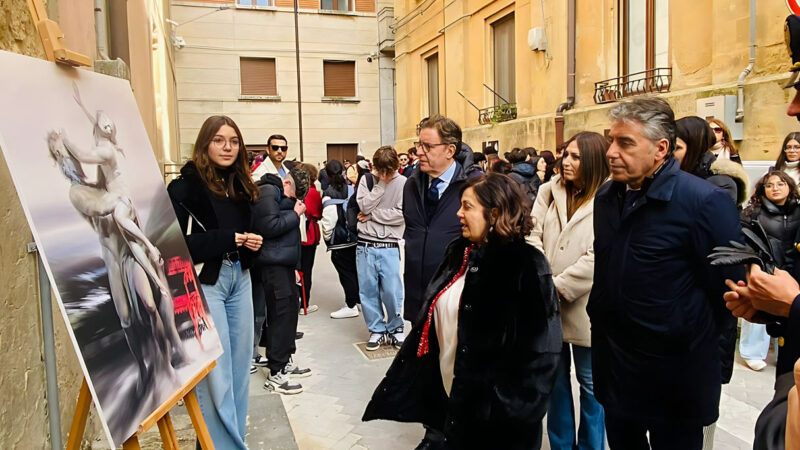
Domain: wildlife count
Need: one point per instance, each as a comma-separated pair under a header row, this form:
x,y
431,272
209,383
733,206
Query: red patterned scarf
x,y
424,341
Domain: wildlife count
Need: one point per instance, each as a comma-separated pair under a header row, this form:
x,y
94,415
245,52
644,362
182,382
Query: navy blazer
x,y
426,242
656,307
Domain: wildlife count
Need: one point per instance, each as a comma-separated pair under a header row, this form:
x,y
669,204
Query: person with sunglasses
x,y
276,163
724,148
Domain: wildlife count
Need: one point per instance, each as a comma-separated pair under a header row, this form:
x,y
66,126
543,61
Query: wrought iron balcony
x,y
647,82
499,113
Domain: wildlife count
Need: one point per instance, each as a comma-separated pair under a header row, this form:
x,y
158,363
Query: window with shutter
x,y
258,76
337,5
340,78
645,35
432,63
504,79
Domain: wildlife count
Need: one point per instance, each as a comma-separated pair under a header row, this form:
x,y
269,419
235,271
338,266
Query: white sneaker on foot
x,y
310,308
375,341
345,312
281,384
755,364
295,371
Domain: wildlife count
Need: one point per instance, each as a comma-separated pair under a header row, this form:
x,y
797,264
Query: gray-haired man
x,y
656,300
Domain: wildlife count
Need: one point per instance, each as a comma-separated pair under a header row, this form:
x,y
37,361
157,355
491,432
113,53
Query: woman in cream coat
x,y
563,231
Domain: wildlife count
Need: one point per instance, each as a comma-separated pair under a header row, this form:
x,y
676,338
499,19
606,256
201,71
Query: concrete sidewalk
x,y
267,424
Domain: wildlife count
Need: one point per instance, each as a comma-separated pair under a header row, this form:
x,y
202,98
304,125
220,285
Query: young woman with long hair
x,y
340,242
723,146
775,205
789,158
564,232
694,141
212,200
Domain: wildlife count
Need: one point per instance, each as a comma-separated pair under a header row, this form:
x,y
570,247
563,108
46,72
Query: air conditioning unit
x,y
537,40
722,107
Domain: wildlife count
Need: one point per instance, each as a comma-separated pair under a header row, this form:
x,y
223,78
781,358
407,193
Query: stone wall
x,y
23,416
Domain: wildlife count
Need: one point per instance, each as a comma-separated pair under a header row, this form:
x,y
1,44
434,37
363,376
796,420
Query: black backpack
x,y
342,236
352,205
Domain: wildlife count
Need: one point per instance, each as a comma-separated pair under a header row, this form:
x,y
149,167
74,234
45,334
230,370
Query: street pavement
x,y
327,415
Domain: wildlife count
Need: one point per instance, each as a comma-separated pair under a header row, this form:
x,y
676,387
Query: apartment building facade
x,y
239,58
501,68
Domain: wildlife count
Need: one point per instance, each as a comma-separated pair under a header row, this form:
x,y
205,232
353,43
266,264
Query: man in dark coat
x,y
431,198
656,300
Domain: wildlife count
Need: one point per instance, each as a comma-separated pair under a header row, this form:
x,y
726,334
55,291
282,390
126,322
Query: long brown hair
x,y
499,192
593,171
212,176
781,161
760,193
726,135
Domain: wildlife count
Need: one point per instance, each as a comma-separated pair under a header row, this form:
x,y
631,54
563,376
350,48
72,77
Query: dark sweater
x,y
215,222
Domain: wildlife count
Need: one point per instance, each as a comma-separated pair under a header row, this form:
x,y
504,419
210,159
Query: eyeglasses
x,y
717,129
219,142
779,185
427,147
792,148
279,148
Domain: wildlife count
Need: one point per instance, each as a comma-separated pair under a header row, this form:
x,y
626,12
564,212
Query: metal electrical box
x,y
722,107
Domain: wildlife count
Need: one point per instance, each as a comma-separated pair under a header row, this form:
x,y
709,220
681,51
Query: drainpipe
x,y
749,68
559,122
101,24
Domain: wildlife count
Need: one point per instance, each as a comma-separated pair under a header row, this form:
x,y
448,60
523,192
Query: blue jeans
x,y
379,284
754,342
561,412
223,393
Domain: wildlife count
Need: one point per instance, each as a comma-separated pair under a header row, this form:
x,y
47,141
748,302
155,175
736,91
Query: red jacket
x,y
313,203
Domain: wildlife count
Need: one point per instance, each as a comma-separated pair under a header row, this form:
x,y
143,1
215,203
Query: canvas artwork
x,y
98,208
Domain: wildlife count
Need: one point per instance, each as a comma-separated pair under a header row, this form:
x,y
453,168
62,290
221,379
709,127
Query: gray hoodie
x,y
384,205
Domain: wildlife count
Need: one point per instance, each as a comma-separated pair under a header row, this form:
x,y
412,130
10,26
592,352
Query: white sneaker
x,y
345,312
295,371
310,308
375,341
755,364
281,384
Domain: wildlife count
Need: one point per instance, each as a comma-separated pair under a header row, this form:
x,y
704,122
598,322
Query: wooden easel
x,y
56,51
160,416
53,38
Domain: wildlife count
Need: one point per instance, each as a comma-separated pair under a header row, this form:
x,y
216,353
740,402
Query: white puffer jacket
x,y
568,246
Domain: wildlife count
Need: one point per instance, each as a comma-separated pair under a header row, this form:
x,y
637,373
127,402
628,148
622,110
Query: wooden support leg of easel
x,y
79,419
190,400
168,433
132,443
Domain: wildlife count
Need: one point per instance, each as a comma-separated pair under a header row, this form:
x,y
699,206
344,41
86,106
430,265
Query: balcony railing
x,y
499,113
647,82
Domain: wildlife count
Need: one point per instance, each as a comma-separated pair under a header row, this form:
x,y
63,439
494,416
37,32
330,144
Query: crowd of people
x,y
594,255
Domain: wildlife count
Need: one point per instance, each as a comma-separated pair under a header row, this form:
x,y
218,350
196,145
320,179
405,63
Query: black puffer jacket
x,y
276,221
509,341
781,224
207,243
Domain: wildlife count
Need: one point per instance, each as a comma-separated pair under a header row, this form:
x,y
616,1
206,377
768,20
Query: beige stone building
x,y
692,53
238,58
133,31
